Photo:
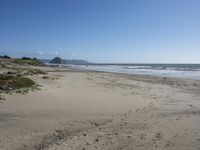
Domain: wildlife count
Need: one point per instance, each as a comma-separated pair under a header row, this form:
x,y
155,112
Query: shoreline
x,y
171,81
98,110
187,71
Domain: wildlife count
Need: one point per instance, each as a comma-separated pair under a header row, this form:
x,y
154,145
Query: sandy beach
x,y
85,110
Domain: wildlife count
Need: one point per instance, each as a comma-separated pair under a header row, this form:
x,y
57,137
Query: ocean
x,y
189,71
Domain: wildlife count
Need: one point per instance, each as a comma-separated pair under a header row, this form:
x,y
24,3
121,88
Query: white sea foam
x,y
181,72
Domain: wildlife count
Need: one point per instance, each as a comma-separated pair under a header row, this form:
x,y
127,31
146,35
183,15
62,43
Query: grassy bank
x,y
28,61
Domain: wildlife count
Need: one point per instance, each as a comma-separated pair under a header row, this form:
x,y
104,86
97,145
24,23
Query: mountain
x,y
57,60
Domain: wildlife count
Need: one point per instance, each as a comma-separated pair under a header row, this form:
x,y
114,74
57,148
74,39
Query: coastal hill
x,y
58,60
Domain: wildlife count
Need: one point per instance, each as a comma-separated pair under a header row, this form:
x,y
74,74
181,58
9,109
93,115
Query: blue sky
x,y
112,31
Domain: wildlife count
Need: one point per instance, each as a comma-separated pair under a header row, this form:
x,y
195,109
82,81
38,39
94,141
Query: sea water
x,y
190,71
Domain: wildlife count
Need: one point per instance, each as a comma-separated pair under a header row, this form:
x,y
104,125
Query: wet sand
x,y
93,110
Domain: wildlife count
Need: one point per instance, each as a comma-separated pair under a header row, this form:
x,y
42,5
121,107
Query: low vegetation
x,y
15,73
11,83
31,71
2,98
5,56
25,71
28,61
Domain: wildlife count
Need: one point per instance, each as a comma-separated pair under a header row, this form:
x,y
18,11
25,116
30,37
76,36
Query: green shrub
x,y
29,61
9,82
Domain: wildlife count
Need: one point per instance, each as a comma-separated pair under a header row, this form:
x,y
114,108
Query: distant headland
x,y
58,60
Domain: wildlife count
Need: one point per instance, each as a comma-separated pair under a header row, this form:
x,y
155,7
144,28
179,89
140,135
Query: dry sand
x,y
102,111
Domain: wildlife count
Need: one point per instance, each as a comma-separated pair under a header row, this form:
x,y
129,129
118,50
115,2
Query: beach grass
x,y
31,71
11,83
14,82
33,62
